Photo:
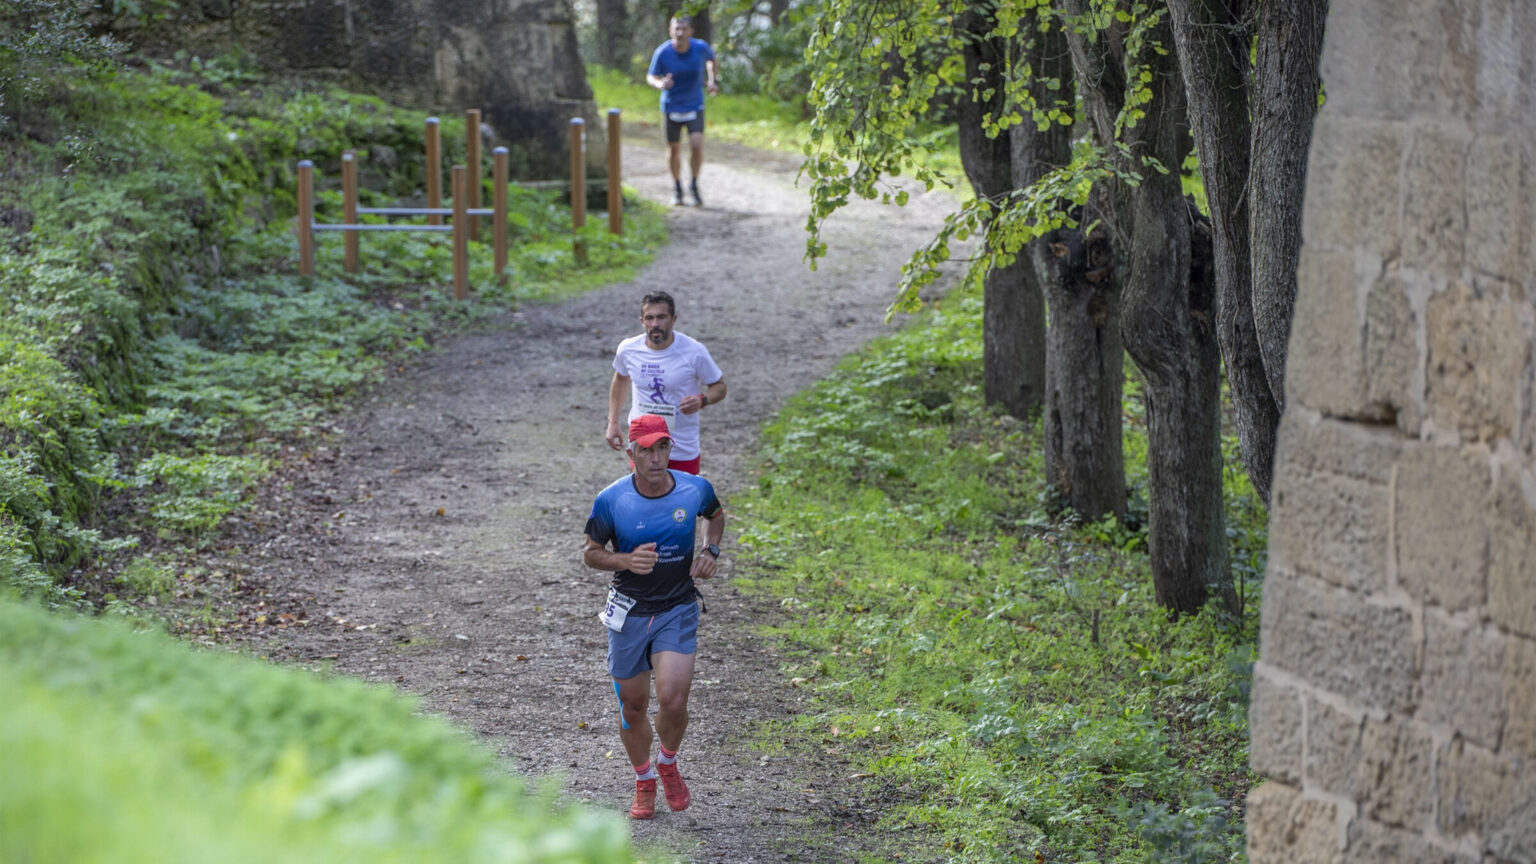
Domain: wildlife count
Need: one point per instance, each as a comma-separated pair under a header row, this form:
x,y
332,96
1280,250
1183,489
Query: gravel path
x,y
434,542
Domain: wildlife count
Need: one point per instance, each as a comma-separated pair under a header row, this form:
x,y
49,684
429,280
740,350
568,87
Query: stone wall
x,y
516,60
1394,702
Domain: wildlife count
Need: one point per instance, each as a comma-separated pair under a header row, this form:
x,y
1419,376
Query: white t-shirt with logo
x,y
659,380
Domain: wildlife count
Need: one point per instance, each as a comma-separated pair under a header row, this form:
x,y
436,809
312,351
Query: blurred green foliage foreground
x,y
123,745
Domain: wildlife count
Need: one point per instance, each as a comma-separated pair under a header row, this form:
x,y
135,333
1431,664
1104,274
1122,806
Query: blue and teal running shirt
x,y
688,74
627,519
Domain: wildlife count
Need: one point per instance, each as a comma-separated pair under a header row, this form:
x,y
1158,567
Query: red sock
x,y
644,772
667,757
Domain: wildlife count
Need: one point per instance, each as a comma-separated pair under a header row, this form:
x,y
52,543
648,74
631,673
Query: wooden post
x,y
460,234
472,159
499,204
305,221
615,176
349,205
578,187
434,172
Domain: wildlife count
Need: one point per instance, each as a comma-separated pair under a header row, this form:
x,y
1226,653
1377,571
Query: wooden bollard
x,y
499,206
305,221
578,187
615,191
460,234
434,172
472,159
349,205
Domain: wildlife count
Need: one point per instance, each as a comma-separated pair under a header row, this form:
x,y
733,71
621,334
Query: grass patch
x,y
175,755
1000,677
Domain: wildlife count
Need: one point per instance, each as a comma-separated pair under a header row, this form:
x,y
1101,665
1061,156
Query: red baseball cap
x,y
647,429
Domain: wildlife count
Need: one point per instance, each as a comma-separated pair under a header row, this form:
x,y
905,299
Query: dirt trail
x,y
433,542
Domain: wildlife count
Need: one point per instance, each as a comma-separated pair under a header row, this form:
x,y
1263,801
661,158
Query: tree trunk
x,y
1084,453
1013,338
1084,361
1168,326
1013,311
776,10
615,38
1212,38
1167,319
1290,44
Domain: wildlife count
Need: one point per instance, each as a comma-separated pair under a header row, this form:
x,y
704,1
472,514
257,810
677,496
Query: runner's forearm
x,y
714,392
714,527
602,558
617,388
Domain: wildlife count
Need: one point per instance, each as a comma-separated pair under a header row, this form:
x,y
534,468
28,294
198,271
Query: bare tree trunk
x,y
1212,38
1084,453
1168,328
1013,338
776,10
1167,319
1084,360
1013,314
1290,44
615,38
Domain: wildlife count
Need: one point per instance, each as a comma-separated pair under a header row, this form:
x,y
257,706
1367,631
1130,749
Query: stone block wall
x,y
1394,701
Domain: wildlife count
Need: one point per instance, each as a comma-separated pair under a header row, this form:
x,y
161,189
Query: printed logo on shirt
x,y
679,515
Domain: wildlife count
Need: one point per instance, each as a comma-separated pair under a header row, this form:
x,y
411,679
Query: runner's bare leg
x,y
674,680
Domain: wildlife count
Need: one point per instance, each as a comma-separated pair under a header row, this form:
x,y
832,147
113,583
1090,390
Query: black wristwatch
x,y
712,549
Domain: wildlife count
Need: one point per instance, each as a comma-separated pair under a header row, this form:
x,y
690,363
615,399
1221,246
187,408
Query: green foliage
x,y
150,316
148,576
764,60
1006,684
1197,834
192,494
877,72
883,76
44,46
174,755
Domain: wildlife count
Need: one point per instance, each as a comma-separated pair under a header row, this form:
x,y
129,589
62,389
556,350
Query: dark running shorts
x,y
629,652
675,129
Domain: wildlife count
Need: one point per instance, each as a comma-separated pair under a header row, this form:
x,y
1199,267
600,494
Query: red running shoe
x,y
672,783
645,800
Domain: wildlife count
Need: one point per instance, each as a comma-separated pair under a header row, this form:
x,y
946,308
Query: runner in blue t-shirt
x,y
682,69
648,518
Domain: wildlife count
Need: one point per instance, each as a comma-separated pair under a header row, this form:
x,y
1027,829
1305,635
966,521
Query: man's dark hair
x,y
685,20
655,297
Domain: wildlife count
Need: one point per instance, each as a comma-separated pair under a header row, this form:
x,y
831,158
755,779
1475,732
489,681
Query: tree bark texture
x,y
1013,310
1084,452
1084,360
1213,38
1286,80
1168,325
615,36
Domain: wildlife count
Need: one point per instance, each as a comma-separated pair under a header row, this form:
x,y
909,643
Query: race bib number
x,y
616,610
660,409
682,116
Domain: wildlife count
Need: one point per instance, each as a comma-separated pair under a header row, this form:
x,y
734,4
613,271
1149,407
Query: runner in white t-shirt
x,y
664,373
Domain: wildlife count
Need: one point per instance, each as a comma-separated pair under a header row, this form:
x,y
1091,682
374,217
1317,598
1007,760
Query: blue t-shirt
x,y
687,70
627,519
